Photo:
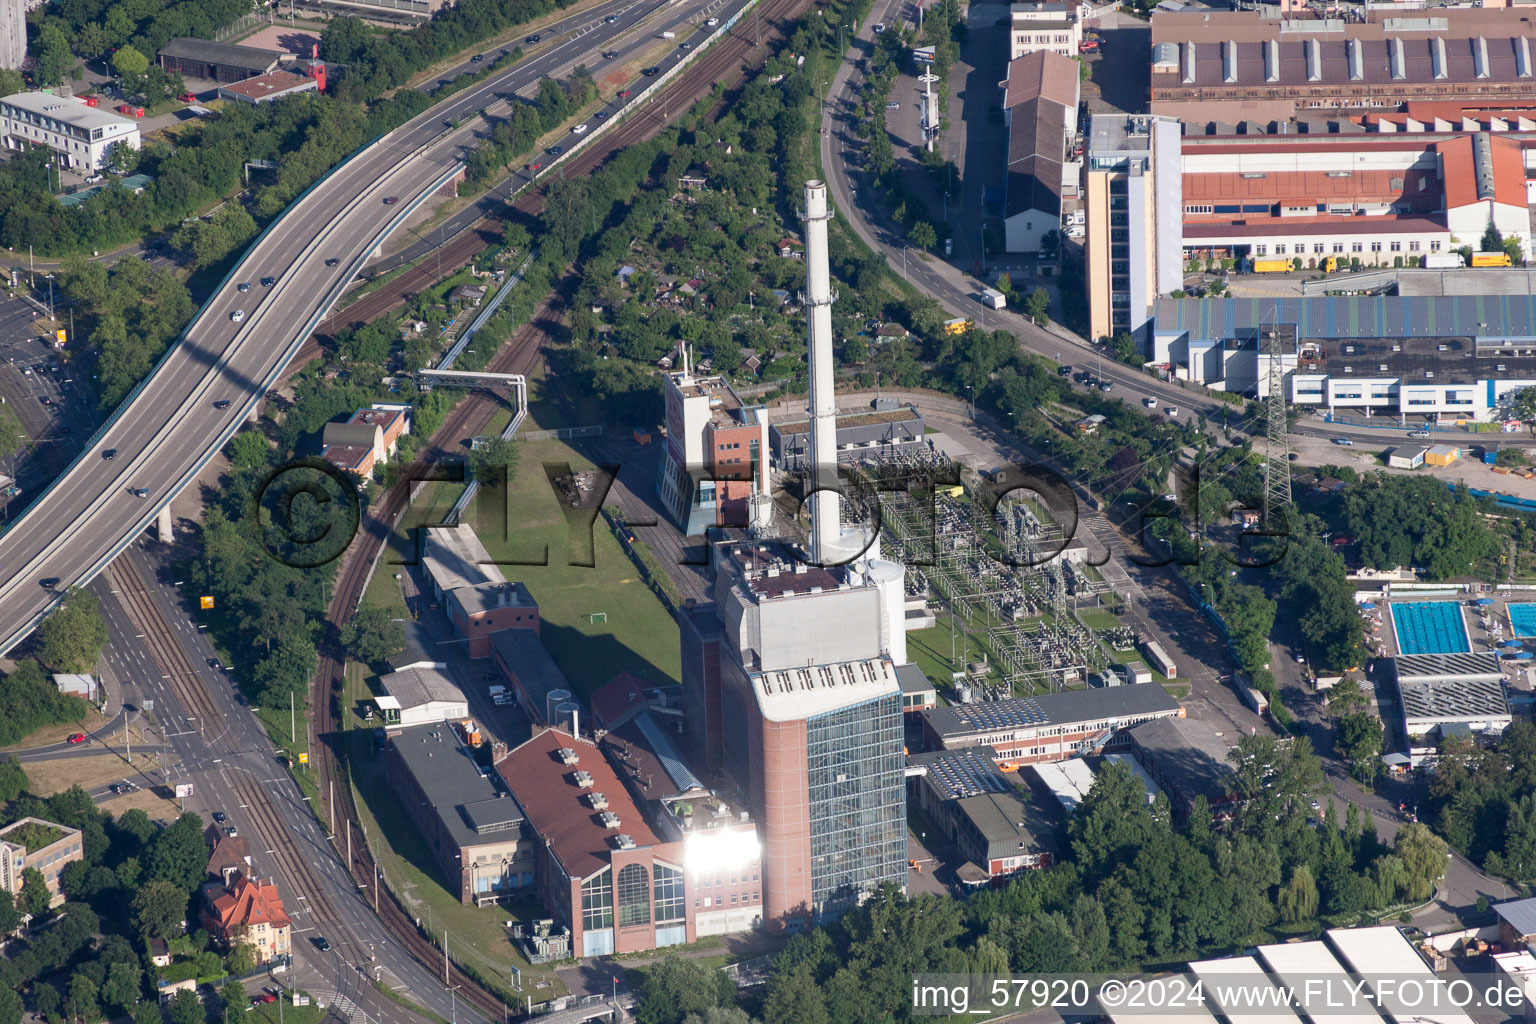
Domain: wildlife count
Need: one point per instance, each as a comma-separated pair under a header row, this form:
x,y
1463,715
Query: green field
x,y
639,635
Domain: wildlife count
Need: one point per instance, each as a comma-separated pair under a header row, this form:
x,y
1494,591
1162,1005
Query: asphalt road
x,y
170,428
214,757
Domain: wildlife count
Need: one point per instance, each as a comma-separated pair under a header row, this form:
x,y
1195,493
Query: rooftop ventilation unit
x,y
609,819
598,801
568,755
624,842
584,779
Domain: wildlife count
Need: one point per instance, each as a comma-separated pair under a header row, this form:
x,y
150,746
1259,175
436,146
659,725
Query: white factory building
x,y
84,137
420,696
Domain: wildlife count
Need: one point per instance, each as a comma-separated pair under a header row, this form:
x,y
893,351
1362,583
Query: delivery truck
x,y
959,325
993,299
1490,259
1277,266
1444,261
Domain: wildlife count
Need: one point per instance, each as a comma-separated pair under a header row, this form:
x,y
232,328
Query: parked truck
x,y
959,325
1276,266
1444,261
993,299
1491,259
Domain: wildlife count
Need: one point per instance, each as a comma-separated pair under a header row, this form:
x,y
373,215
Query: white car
x,y
879,27
1150,403
237,315
579,130
712,22
1171,410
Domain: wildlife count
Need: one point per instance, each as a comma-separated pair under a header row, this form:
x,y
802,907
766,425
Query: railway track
x,y
726,61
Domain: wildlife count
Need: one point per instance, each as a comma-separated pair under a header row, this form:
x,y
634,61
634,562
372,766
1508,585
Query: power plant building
x,y
714,469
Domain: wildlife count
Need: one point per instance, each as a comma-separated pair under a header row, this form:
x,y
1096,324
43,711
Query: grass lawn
x,y
1098,620
639,636
267,1013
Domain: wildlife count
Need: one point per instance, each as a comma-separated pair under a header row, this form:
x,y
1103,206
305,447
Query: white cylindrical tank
x,y
552,701
889,578
568,717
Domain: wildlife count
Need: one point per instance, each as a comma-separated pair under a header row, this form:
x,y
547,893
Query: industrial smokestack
x,y
825,502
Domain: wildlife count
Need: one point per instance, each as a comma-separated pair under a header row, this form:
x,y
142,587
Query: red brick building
x,y
477,612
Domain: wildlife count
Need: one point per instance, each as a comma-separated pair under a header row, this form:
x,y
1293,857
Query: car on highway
x,y
215,664
332,261
477,58
1106,385
650,71
220,817
1418,433
109,454
879,27
610,54
139,492
534,168
1342,441
533,39
78,737
610,19
685,44
555,150
391,200
237,315
243,286
625,94
580,129
712,22
221,404
147,257
601,115
268,282
48,582
1171,410
321,943
1150,403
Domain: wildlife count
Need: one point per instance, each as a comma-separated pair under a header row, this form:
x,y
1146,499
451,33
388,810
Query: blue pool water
x,y
1430,627
1522,617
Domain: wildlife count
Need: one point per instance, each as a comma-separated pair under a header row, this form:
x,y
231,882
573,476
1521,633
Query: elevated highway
x,y
240,342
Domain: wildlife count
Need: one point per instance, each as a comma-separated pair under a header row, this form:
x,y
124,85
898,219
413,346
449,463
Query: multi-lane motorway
x,y
241,340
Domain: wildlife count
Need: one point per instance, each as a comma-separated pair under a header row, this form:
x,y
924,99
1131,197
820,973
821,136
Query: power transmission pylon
x,y
1277,449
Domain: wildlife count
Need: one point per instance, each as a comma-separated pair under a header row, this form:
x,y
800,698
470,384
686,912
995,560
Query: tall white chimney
x,y
825,502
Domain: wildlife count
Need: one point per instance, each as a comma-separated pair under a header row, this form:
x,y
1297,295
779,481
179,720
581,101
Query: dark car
x,y
109,454
147,256
243,287
650,71
555,150
220,817
533,39
222,403
610,19
1106,385
477,58
610,54
139,492
215,664
49,582
268,282
321,943
1063,371
391,200
601,115
332,261
48,401
231,831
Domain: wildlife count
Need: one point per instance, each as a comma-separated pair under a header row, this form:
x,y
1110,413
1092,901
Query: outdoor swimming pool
x,y
1430,627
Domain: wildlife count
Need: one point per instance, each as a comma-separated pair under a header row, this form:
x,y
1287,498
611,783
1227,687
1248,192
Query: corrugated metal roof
x,y
1337,317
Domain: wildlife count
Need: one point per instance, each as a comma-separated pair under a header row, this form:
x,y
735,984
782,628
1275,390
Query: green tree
x,y
148,1012
34,892
1346,697
10,914
1493,239
13,780
795,998
1426,857
159,908
1297,900
11,1007
487,461
720,1015
1359,738
242,959
232,995
73,636
45,999
372,635
674,987
129,61
54,60
121,988
1037,306
179,855
923,235
12,434
81,1004
185,1008
249,449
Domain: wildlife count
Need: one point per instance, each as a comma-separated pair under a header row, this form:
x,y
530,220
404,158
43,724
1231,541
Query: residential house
x,y
247,910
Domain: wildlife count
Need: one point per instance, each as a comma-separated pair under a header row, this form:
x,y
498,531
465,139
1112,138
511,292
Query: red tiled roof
x,y
619,699
1042,75
557,807
249,902
355,459
1459,167
1385,186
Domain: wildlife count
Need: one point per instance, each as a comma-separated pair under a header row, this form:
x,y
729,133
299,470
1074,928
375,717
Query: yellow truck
x,y
1275,266
959,325
1490,259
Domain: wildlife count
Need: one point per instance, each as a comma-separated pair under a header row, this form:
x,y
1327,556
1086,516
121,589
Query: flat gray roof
x,y
1067,707
229,54
1519,914
473,807
536,671
68,110
1184,755
912,679
1446,667
413,687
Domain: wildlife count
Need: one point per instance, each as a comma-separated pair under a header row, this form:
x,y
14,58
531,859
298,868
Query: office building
x,y
1040,103
1247,65
1132,197
468,820
84,137
996,825
35,843
714,469
1052,26
1051,727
